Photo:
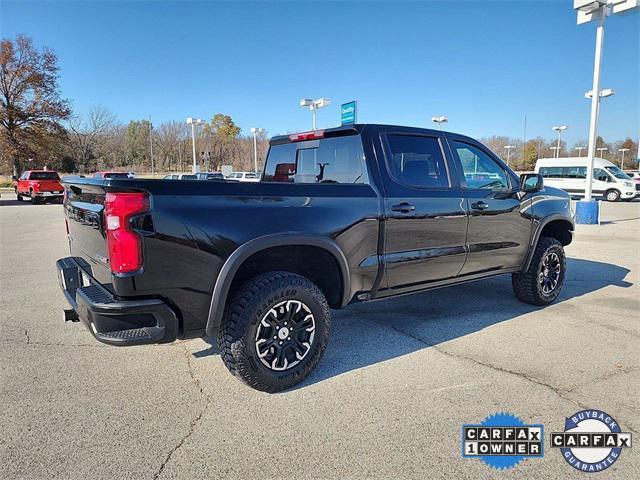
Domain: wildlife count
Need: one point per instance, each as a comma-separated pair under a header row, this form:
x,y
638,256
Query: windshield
x,y
44,176
616,172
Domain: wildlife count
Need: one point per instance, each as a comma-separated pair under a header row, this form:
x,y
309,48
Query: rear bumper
x,y
110,320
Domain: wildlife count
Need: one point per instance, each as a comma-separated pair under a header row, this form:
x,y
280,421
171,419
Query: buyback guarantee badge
x,y
502,441
592,441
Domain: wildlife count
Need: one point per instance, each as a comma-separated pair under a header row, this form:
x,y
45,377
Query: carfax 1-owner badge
x,y
592,440
502,441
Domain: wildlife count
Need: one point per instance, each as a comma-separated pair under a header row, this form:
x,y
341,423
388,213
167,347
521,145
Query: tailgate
x,y
83,208
49,186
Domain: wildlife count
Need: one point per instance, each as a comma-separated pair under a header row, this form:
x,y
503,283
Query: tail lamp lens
x,y
124,245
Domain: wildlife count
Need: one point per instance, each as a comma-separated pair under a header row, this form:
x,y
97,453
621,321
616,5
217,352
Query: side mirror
x,y
14,178
531,182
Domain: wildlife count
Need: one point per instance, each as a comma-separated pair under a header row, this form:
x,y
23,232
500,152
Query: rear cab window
x,y
44,176
335,160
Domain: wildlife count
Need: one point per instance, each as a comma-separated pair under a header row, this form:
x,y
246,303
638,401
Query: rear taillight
x,y
313,135
124,245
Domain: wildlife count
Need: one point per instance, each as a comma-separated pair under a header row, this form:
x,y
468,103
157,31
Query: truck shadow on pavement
x,y
368,333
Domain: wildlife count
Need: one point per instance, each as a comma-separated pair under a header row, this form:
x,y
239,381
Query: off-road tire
x,y
242,318
526,285
612,196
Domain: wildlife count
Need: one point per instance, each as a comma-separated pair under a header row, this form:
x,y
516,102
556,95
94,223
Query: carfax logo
x,y
592,441
502,441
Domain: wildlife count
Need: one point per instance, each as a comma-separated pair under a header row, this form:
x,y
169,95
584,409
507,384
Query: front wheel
x,y
541,283
18,196
275,331
612,196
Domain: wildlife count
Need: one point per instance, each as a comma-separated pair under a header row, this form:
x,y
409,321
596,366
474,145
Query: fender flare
x,y
536,235
246,250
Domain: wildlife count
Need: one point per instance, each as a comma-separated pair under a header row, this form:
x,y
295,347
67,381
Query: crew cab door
x,y
499,229
23,183
425,217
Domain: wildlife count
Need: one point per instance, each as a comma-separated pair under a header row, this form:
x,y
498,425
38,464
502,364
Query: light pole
x,y
622,150
255,132
587,11
602,149
579,151
151,143
559,129
508,148
439,120
555,151
314,105
194,122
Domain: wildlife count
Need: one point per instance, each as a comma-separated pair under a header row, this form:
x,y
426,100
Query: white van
x,y
570,173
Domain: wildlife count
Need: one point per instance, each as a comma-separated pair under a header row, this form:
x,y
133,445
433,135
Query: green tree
x,y
30,101
223,126
530,155
137,143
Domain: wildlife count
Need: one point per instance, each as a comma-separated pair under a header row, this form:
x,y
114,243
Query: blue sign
x,y
348,112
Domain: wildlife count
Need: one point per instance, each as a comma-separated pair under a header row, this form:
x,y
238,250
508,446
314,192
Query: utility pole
x,y
151,144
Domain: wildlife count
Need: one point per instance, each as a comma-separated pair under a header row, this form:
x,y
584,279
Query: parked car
x,y
110,174
210,176
258,266
180,176
570,174
39,185
244,176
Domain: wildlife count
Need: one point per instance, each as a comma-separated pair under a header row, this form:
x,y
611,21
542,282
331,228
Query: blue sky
x,y
483,64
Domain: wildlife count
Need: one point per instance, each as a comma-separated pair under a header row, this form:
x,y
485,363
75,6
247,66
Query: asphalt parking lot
x,y
398,381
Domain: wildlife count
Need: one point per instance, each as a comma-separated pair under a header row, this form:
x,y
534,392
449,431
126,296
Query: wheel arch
x,y
245,252
557,226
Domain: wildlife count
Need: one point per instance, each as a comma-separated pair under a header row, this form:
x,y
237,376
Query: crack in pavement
x,y
26,336
560,392
44,344
194,422
529,378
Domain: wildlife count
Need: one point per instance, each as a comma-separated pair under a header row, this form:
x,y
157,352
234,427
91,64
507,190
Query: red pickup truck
x,y
39,185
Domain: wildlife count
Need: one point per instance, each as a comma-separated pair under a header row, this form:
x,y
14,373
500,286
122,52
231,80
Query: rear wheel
x,y
542,282
34,198
612,195
275,331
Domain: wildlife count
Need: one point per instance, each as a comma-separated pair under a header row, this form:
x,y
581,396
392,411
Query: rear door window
x,y
330,160
417,161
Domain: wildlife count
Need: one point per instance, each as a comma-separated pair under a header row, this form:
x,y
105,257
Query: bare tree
x,y
88,132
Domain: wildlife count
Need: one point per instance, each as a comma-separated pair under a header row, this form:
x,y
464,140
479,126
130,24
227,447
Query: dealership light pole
x,y
579,151
194,122
314,105
255,132
508,148
602,149
622,150
555,151
439,120
587,11
559,129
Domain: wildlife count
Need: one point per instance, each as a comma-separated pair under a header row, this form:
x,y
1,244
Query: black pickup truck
x,y
354,213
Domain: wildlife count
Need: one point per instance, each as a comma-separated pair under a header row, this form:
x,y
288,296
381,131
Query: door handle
x,y
480,205
404,207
